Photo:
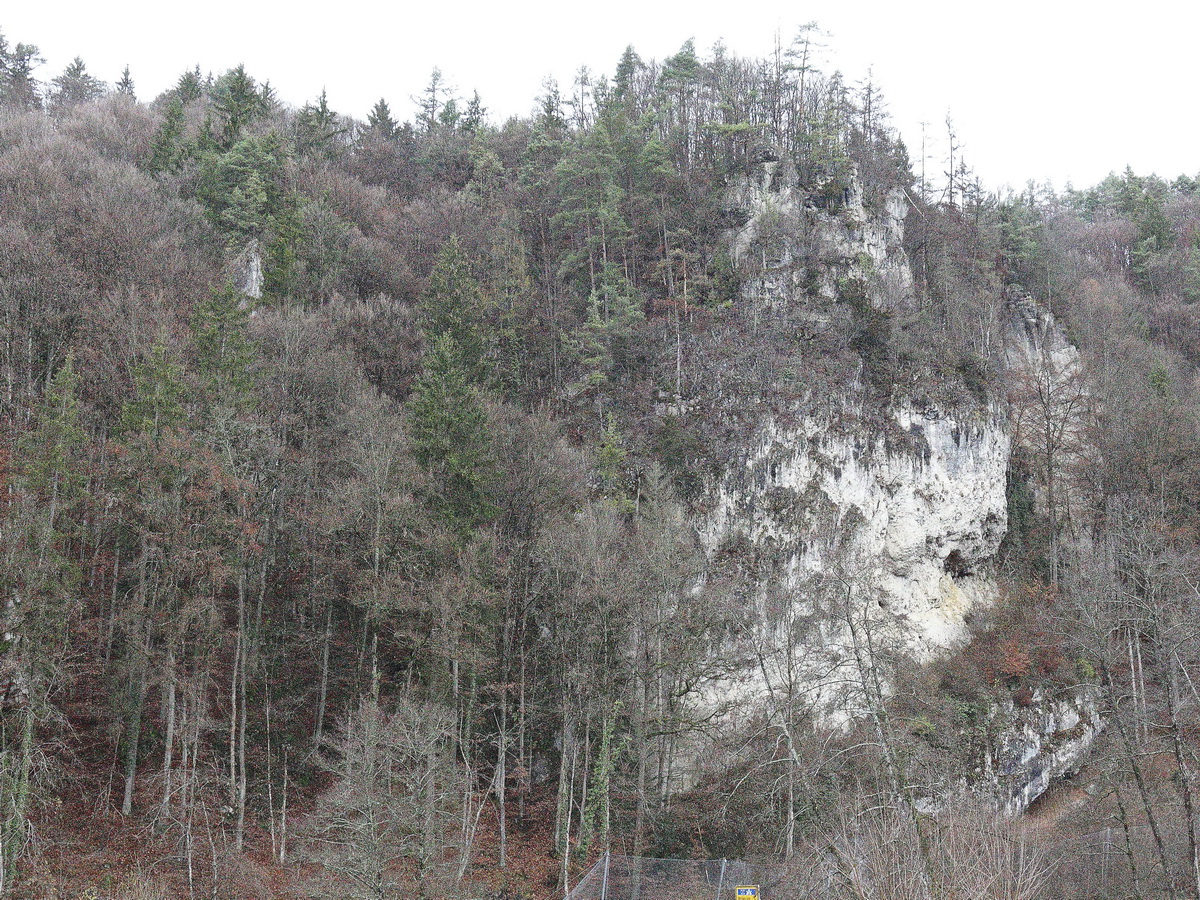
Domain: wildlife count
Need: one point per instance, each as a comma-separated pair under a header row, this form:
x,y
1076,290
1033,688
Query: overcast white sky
x,y
1049,90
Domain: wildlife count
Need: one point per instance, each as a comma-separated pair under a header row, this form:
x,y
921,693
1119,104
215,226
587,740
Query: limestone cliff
x,y
851,510
1033,745
904,498
797,244
913,512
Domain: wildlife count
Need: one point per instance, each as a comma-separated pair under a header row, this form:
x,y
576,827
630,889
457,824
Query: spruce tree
x,y
190,86
453,305
75,85
125,85
158,402
381,121
448,431
239,102
18,87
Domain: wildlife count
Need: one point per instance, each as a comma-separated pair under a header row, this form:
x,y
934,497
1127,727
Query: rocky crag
x,y
871,524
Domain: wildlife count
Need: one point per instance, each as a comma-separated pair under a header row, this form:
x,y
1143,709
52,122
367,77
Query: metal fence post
x,y
604,881
721,883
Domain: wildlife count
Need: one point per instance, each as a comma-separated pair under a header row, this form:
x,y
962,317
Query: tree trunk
x,y
1130,853
326,640
502,775
1185,780
238,655
169,737
137,687
133,736
240,707
110,631
562,809
1132,754
14,823
283,823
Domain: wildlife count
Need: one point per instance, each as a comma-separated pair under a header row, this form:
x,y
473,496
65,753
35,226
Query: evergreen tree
x,y
159,394
380,120
430,103
614,309
238,102
189,87
681,80
453,305
476,114
318,129
629,66
449,118
38,581
612,466
511,296
18,87
75,86
51,449
224,350
125,85
242,189
168,151
448,429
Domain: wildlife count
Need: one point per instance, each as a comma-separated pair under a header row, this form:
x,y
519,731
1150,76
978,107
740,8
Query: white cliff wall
x,y
797,247
1034,745
904,508
908,502
913,513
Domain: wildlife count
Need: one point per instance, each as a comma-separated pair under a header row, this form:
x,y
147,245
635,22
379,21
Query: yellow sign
x,y
746,892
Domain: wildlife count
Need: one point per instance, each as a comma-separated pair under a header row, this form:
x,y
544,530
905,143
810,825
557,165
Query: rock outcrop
x,y
246,272
1033,745
904,499
860,512
913,510
800,245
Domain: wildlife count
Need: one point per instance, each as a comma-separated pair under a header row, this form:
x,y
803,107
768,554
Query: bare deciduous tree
x,y
394,806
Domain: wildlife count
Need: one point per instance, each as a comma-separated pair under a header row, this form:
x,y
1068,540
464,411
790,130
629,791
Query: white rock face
x,y
1036,744
901,519
897,516
901,511
798,246
246,271
1037,346
1050,398
913,512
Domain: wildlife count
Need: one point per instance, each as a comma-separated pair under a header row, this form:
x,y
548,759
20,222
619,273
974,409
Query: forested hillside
x,y
355,477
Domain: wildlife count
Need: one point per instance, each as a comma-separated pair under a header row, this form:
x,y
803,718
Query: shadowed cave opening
x,y
956,565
